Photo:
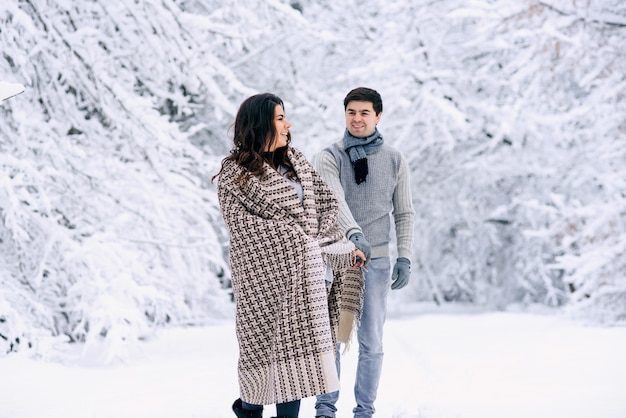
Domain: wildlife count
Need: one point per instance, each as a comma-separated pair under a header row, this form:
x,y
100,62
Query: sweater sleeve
x,y
403,212
326,166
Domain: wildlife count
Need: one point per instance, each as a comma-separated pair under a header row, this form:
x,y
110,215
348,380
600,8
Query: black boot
x,y
242,413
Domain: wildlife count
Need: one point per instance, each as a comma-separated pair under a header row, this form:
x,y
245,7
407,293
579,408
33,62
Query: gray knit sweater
x,y
366,207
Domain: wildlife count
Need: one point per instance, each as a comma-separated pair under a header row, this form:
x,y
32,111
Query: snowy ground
x,y
438,365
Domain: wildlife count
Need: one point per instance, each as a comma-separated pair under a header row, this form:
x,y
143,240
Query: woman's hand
x,y
358,257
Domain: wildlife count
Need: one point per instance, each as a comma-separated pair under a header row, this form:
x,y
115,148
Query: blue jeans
x,y
370,338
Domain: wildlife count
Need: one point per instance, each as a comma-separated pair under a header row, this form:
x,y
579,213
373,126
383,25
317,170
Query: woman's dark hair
x,y
364,94
254,131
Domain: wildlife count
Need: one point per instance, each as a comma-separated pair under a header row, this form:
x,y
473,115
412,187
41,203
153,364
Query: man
x,y
370,180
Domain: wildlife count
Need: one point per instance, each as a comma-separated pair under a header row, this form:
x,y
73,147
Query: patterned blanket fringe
x,y
339,255
348,324
350,305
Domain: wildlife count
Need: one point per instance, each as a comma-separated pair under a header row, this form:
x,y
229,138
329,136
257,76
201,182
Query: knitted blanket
x,y
287,322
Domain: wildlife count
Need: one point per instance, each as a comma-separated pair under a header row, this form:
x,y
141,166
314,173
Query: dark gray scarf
x,y
358,149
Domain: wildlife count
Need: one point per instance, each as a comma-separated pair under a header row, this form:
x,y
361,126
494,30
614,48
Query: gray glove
x,y
361,243
401,273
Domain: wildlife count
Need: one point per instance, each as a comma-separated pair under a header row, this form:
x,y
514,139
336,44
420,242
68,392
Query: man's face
x,y
361,120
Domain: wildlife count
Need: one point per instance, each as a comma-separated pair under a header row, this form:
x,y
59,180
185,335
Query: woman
x,y
284,238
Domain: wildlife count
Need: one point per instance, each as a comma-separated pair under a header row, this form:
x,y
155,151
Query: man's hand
x,y
358,258
361,243
401,273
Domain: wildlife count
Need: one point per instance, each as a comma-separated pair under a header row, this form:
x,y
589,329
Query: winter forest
x,y
512,115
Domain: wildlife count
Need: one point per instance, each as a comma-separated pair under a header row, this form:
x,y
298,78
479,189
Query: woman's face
x,y
282,129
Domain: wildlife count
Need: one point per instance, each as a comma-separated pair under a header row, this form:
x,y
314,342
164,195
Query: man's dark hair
x,y
363,94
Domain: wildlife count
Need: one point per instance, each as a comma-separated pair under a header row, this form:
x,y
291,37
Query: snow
x,y
498,106
439,363
8,90
510,114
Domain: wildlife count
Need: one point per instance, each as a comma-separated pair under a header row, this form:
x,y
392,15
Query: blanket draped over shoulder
x,y
287,321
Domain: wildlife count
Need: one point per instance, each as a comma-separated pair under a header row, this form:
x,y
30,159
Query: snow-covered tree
x,y
108,223
511,115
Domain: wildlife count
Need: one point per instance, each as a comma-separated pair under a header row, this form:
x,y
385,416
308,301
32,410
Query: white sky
x,y
450,364
10,89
